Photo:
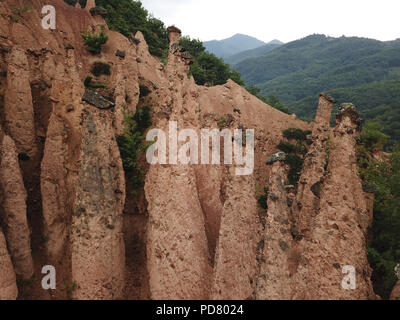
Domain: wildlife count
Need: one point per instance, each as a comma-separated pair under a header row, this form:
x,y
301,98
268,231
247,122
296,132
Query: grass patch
x,y
69,289
222,123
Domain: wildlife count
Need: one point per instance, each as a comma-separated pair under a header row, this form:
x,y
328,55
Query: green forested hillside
x,y
233,45
253,53
363,71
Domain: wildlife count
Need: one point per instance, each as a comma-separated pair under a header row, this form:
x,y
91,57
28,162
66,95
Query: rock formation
x,y
194,231
396,292
8,285
14,210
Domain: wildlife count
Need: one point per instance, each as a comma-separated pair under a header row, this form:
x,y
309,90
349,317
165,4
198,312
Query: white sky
x,y
285,20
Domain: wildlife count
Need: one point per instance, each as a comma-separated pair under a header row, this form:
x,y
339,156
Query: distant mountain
x,y
363,71
233,45
253,53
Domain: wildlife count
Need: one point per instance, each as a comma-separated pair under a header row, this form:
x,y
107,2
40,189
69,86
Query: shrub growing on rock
x,y
144,91
94,42
208,68
295,152
296,134
87,82
263,199
296,165
130,146
287,147
100,68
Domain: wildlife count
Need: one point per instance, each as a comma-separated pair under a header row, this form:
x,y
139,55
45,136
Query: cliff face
x,y
396,292
195,231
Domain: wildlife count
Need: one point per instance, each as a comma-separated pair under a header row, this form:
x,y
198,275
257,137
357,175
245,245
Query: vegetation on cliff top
x,y
129,17
208,68
382,177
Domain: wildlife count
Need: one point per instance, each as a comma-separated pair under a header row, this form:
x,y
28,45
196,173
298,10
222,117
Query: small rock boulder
x,y
99,11
273,197
120,54
97,100
316,189
396,292
279,156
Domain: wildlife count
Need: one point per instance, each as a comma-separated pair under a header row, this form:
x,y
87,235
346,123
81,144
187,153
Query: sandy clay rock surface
x,y
194,231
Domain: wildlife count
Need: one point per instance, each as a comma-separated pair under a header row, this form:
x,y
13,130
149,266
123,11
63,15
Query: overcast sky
x,y
285,20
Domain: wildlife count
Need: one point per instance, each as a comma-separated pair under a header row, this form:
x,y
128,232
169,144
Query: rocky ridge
x,y
195,231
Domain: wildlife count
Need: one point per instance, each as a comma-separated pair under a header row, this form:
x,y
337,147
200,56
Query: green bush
x,y
295,164
130,146
287,147
222,122
128,17
18,12
277,104
208,68
296,134
384,251
144,91
143,118
88,81
100,68
372,136
94,42
381,177
263,199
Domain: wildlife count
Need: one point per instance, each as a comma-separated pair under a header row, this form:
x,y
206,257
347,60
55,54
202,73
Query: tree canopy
x,y
128,17
382,177
365,72
208,68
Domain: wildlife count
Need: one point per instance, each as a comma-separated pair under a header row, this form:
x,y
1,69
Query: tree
x,y
128,17
94,42
193,46
382,177
372,136
208,68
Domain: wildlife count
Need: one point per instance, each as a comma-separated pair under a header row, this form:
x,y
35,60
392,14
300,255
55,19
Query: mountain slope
x,y
253,53
233,45
364,71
